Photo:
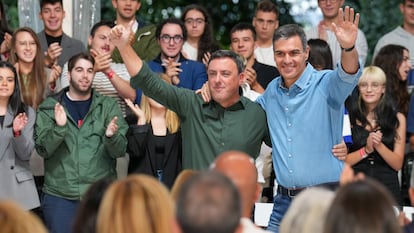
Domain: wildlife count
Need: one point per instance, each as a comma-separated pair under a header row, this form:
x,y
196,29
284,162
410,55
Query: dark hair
x,y
320,54
405,1
243,27
389,59
267,6
53,2
15,102
4,26
208,202
239,60
87,213
99,24
170,21
208,42
290,30
362,206
72,61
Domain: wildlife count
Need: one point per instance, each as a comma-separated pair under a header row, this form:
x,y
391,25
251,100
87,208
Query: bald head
x,y
240,168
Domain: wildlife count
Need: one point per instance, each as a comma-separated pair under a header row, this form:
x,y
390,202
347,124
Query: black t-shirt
x,y
265,73
51,39
1,121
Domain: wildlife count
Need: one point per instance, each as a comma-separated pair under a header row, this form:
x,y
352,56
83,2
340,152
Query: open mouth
x,y
53,22
105,49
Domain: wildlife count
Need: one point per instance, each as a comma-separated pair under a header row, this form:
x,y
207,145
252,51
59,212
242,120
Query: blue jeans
x,y
59,213
280,205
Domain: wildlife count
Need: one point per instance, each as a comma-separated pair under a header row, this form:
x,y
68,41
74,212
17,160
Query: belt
x,y
292,192
288,192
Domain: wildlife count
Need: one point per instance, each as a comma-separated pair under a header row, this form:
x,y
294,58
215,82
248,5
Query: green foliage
x,y
11,12
377,16
224,14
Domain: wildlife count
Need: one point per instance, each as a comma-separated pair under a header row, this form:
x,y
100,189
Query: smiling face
x,y
405,66
126,9
52,16
100,41
80,78
290,57
371,86
224,81
7,83
242,42
171,40
25,46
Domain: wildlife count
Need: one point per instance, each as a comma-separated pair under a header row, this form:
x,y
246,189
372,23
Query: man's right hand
x,y
120,35
102,61
60,115
52,54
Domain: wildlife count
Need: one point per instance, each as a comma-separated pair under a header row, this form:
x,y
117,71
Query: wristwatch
x,y
348,49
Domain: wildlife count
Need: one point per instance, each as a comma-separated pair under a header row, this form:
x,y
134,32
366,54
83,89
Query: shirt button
x,y
289,124
222,143
11,167
287,93
286,109
290,171
289,155
289,139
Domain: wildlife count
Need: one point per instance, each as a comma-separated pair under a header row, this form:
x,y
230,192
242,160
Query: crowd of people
x,y
203,130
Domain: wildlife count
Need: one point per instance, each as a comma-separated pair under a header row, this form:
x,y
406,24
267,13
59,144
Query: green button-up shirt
x,y
207,128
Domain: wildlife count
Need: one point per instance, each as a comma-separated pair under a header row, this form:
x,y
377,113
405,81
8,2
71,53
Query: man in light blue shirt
x,y
304,110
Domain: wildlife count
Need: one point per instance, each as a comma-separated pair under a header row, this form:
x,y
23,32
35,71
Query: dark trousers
x,y
59,213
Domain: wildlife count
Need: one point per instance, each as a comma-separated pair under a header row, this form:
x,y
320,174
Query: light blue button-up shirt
x,y
305,122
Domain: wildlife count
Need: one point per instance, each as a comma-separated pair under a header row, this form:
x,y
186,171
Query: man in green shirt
x,y
228,122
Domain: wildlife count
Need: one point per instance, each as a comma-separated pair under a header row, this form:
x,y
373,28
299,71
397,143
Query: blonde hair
x,y
171,119
137,203
14,219
374,73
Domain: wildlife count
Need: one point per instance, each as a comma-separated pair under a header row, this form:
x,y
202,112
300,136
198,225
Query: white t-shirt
x,y
265,55
189,51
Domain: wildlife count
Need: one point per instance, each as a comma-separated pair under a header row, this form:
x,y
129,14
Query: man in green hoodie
x,y
79,133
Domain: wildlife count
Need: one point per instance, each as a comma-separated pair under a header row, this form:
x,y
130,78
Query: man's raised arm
x,y
346,31
120,38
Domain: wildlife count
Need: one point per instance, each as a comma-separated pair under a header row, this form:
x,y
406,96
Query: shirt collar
x,y
213,109
303,79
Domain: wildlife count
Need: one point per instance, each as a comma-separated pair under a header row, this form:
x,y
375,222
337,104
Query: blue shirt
x,y
305,122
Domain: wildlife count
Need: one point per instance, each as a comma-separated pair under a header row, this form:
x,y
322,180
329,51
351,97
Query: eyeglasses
x,y
167,38
325,1
191,21
375,86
